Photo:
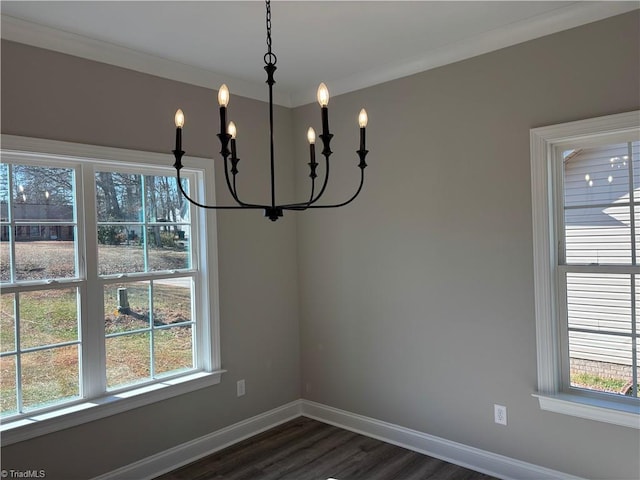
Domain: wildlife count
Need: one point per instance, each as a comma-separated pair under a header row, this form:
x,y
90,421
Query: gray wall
x,y
417,300
55,96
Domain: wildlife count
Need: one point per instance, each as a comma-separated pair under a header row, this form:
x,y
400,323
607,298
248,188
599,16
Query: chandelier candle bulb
x,y
323,95
323,100
232,131
223,101
363,118
362,121
311,136
179,119
223,95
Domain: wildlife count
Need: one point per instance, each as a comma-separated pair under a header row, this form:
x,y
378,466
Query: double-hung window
x,y
107,281
586,219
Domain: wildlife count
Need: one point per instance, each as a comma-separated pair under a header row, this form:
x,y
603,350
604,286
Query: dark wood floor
x,y
305,449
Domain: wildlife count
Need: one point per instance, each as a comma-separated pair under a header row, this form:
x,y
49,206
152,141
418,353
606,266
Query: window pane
x,y
126,307
8,399
635,151
596,176
43,193
168,216
120,249
4,191
637,226
48,317
597,205
164,202
599,316
119,197
637,291
5,265
40,260
171,301
598,235
173,349
169,247
7,322
50,376
600,362
599,302
128,359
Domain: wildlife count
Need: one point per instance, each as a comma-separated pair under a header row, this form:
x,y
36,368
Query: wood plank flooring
x,y
305,449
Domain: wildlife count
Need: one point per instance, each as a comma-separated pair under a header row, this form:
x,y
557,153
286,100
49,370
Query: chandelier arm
x,y
201,205
235,191
326,152
248,205
312,175
324,184
224,151
362,153
302,205
324,187
343,203
232,190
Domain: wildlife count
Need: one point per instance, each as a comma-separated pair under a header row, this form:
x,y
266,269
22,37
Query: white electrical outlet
x,y
500,414
240,388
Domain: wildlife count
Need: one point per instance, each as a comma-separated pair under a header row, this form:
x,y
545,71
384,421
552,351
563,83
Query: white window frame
x,y
545,143
208,369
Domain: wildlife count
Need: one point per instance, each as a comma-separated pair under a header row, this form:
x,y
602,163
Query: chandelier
x,y
227,137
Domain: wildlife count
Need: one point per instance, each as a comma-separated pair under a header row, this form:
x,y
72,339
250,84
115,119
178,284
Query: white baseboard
x,y
193,450
469,457
452,452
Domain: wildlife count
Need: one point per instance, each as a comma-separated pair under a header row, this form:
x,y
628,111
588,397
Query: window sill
x,y
592,409
40,424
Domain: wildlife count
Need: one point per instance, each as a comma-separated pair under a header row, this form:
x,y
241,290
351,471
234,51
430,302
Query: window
x,y
105,301
586,223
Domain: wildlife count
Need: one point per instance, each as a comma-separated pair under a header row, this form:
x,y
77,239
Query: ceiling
x,y
347,45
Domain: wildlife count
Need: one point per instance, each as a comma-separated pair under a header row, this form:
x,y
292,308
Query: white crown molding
x,y
36,35
571,16
579,13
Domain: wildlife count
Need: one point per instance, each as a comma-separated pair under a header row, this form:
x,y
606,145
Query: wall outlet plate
x,y
500,414
240,388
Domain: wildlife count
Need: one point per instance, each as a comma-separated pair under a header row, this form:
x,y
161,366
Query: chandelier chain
x,y
269,57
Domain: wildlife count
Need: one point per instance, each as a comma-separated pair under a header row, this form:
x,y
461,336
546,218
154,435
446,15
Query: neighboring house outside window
x,y
586,218
106,299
